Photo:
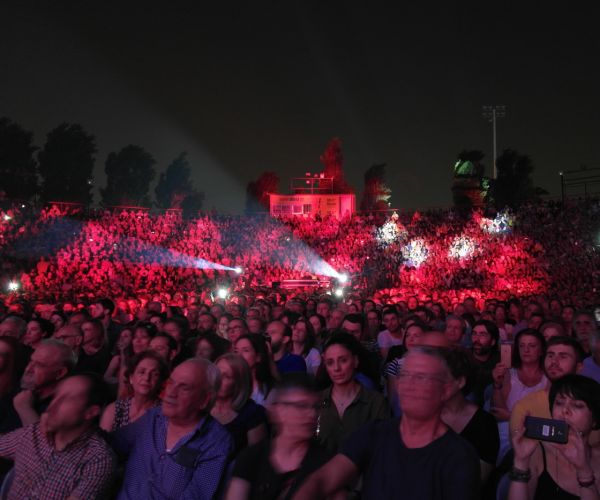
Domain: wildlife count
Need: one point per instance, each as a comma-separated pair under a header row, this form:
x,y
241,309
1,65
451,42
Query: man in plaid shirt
x,y
62,456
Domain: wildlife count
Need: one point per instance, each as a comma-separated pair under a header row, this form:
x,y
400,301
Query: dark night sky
x,y
265,86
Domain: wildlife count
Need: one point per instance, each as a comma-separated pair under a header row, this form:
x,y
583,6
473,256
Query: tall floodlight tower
x,y
491,113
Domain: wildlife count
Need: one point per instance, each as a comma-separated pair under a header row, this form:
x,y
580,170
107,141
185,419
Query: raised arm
x,y
329,479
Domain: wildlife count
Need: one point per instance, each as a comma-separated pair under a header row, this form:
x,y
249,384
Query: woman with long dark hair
x,y
303,344
145,376
253,348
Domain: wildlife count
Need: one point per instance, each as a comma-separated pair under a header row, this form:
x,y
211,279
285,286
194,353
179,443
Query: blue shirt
x,y
192,469
291,363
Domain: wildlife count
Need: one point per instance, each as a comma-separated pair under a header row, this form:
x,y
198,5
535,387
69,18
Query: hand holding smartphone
x,y
506,354
546,429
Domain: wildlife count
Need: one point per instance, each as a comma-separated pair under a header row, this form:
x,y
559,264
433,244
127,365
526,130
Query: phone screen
x,y
506,354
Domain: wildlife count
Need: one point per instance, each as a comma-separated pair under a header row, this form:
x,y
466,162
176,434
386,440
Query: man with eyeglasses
x,y
276,468
72,335
235,329
415,456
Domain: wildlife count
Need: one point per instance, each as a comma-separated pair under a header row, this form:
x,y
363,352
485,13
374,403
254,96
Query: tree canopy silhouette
x,y
376,194
257,198
175,184
514,184
66,164
333,161
128,176
18,168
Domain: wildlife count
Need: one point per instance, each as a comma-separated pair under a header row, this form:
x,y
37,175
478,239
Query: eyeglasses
x,y
299,405
419,378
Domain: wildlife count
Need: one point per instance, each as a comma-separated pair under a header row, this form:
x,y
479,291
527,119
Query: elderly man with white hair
x,y
177,450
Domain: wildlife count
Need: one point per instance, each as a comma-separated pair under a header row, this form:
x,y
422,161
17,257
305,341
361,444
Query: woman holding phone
x,y
525,376
545,470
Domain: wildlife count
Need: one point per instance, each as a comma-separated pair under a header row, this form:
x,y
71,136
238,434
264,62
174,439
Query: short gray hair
x,y
67,357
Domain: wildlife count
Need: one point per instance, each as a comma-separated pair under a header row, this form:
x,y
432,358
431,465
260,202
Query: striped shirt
x,y
83,469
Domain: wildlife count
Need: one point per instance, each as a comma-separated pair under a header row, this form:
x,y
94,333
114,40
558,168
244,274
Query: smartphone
x,y
506,354
546,429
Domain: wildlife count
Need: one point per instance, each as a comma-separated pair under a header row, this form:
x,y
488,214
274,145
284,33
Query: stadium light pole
x,y
491,113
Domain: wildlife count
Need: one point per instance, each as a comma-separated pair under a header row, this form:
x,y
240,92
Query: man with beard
x,y
102,310
286,362
483,356
564,356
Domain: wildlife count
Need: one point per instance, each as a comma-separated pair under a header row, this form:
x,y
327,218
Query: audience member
x,y
145,376
177,450
276,468
234,409
346,404
417,456
63,456
546,470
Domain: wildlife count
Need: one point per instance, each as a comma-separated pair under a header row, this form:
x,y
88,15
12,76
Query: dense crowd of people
x,y
65,252
123,376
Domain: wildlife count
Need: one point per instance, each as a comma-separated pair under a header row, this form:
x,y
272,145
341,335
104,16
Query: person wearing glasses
x,y
276,468
415,456
235,329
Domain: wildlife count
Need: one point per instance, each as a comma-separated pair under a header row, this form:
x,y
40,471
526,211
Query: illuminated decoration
x,y
238,270
339,292
13,286
464,167
502,223
462,248
415,252
222,293
343,278
7,217
390,232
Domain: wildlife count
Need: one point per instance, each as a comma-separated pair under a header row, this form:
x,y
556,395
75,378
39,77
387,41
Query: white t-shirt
x,y
385,340
313,361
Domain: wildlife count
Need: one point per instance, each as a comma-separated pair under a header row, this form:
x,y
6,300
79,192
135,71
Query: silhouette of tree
x,y
191,204
18,168
66,164
174,184
376,194
257,192
514,184
128,176
333,161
